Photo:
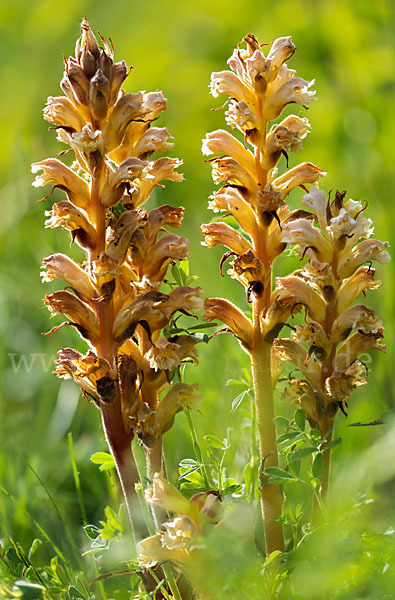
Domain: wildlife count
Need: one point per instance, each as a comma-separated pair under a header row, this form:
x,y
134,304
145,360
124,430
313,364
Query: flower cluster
x,y
251,190
180,537
327,346
114,298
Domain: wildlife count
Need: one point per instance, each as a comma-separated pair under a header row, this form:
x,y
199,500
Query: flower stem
x,y
119,443
270,494
271,497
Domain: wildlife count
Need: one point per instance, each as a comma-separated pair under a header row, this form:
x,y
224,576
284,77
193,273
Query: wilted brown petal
x,y
55,172
228,313
62,267
294,288
231,200
65,303
363,252
66,215
361,280
220,233
60,111
358,343
301,174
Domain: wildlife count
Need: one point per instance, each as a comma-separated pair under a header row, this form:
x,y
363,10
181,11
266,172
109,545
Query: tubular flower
x,y
115,302
179,538
254,193
327,348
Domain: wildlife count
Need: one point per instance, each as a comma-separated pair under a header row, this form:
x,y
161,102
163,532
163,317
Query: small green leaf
x,y
215,442
13,558
272,556
91,531
285,437
202,326
184,270
35,544
188,472
191,279
300,418
331,444
281,421
175,272
302,453
74,594
188,462
238,400
112,518
294,467
231,489
234,382
104,459
318,466
278,473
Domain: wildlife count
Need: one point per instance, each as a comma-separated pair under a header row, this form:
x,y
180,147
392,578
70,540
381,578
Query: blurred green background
x,y
347,46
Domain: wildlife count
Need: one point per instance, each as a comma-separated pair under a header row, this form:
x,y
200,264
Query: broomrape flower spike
x,y
114,298
252,191
326,348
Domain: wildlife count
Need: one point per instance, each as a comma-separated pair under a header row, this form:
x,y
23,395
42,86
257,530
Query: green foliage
x,y
104,459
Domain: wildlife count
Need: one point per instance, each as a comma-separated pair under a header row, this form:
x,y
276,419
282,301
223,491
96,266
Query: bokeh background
x,y
348,48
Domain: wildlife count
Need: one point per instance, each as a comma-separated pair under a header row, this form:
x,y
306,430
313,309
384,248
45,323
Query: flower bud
x,y
99,89
119,73
88,41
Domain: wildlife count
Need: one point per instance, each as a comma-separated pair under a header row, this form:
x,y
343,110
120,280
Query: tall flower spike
x,y
326,348
259,88
114,299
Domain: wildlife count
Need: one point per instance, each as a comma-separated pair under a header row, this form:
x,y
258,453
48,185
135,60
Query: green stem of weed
x,y
196,447
77,484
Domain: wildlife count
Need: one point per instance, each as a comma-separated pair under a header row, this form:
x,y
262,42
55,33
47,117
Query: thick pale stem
x,y
270,494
